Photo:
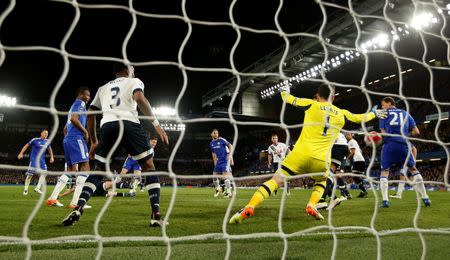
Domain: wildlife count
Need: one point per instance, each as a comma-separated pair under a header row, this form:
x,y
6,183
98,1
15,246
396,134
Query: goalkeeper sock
x,y
27,181
384,187
41,181
78,189
263,192
154,191
318,190
420,187
62,181
401,188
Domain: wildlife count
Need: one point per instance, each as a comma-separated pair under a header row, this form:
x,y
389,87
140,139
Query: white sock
x,y
401,188
135,184
227,186
41,181
79,183
217,184
62,181
27,181
384,188
420,187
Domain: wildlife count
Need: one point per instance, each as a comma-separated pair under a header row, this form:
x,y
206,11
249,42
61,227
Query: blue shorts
x,y
131,165
32,167
395,154
222,167
75,150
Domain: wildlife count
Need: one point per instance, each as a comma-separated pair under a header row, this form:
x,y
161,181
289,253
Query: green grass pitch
x,y
197,212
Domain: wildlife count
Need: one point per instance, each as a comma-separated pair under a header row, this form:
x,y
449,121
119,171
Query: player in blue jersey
x,y
395,150
222,155
37,161
76,152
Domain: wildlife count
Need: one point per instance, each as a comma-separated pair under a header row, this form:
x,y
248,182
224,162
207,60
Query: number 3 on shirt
x,y
116,100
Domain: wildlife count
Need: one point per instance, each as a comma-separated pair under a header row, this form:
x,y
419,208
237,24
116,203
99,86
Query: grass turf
x,y
196,212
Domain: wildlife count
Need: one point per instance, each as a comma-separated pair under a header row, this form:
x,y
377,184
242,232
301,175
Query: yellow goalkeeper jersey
x,y
322,124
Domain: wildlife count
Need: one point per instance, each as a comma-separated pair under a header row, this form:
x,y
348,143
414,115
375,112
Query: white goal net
x,y
410,39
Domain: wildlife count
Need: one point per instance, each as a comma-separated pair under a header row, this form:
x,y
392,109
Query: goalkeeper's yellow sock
x,y
318,189
262,193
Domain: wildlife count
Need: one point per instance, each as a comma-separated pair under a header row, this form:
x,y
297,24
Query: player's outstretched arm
x,y
24,149
358,118
230,155
146,109
295,101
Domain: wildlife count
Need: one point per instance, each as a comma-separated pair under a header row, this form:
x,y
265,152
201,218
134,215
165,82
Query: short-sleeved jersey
x,y
341,140
322,123
219,147
79,106
116,101
37,144
357,157
278,151
392,124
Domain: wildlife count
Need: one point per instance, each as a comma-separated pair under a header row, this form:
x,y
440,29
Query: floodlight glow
x,y
164,111
6,101
423,20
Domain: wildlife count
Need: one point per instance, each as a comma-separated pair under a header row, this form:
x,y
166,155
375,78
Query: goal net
x,y
367,49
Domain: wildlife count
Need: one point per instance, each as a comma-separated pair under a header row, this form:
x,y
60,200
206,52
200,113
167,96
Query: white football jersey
x,y
116,101
278,152
357,157
341,139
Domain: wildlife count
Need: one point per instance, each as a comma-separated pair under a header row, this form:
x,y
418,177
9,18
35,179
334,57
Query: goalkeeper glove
x,y
380,113
285,87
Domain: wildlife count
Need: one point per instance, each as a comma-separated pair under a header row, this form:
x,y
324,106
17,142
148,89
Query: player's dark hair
x,y
274,135
153,138
81,90
389,100
119,67
215,129
324,91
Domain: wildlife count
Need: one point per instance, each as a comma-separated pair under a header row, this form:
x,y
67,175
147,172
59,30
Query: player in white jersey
x,y
358,165
118,100
277,152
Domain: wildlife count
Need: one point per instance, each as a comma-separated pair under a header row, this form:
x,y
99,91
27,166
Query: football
x,y
373,138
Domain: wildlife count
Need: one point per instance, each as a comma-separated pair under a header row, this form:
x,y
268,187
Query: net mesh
x,y
328,227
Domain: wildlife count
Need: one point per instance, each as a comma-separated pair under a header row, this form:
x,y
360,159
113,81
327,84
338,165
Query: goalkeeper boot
x,y
73,217
241,215
313,212
395,196
385,204
427,202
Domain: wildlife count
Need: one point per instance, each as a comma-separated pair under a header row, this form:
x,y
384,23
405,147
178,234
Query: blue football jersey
x,y
37,144
77,106
392,124
220,148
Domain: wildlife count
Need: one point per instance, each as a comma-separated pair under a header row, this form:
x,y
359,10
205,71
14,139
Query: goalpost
x,y
429,20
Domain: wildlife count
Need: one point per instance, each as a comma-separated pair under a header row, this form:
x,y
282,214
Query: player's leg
x,y
216,181
60,184
268,188
418,182
154,191
389,157
108,137
28,177
400,188
42,176
359,168
135,180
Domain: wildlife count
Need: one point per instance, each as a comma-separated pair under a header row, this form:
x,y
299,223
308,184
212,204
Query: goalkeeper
x,y
311,154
